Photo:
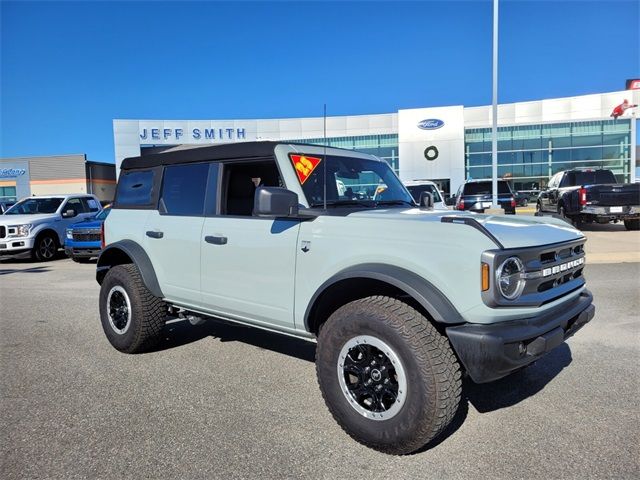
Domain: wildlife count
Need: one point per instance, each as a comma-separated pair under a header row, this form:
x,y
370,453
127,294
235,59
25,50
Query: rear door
x,y
173,231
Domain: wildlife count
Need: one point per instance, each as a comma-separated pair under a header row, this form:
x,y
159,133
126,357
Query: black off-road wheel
x,y
45,247
633,224
132,317
390,380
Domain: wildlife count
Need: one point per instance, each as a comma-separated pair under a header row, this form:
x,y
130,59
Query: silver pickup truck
x,y
402,299
37,224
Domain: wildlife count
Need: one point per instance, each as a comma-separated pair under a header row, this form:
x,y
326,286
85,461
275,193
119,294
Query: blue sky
x,y
69,69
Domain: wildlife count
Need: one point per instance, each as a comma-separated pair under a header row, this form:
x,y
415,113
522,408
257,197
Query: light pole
x,y
494,126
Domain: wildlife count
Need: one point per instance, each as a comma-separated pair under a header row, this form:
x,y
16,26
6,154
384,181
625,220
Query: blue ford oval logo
x,y
430,124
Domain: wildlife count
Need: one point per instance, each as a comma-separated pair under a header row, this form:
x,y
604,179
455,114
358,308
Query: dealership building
x,y
446,144
55,174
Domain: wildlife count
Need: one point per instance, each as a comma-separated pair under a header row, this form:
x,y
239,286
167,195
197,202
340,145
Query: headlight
x,y
19,230
70,234
509,278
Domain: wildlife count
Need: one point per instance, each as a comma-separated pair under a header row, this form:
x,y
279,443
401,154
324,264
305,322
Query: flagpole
x,y
494,109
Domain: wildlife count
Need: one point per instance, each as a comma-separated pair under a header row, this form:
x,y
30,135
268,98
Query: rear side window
x,y
90,204
593,177
135,188
485,188
184,189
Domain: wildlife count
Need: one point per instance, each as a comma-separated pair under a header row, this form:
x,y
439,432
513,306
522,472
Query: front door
x,y
248,268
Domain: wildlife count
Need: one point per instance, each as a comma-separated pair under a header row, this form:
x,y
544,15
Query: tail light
x,y
102,239
513,202
460,205
583,196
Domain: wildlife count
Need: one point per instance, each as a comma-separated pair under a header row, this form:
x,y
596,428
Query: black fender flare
x,y
418,288
112,255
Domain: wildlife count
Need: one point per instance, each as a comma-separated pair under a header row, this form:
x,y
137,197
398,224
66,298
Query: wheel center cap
x,y
376,375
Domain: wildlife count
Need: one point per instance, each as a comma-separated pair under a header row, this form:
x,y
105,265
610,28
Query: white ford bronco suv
x,y
402,299
38,224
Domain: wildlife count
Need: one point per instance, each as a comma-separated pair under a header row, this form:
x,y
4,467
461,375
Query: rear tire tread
x,y
153,311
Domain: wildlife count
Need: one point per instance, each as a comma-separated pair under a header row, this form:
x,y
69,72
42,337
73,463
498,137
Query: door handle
x,y
215,240
154,234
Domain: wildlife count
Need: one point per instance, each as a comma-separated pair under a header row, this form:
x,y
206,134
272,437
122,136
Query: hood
x,y
87,224
23,219
512,231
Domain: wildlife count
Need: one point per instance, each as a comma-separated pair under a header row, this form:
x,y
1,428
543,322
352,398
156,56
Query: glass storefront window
x,y
526,150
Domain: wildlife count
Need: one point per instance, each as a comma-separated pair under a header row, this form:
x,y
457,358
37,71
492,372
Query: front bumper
x,y
489,352
15,245
82,252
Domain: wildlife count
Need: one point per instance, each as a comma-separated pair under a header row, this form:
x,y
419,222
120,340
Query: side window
x,y
184,189
76,205
135,188
90,205
241,180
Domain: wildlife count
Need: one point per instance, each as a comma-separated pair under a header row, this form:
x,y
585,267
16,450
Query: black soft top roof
x,y
199,154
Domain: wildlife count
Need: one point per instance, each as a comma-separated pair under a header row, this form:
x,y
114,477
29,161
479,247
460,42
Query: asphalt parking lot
x,y
224,401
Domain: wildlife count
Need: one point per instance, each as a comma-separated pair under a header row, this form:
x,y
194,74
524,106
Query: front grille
x,y
550,273
3,231
87,236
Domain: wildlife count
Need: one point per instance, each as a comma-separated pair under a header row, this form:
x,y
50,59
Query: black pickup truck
x,y
588,195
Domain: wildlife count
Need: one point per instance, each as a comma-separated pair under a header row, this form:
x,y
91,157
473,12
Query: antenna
x,y
325,156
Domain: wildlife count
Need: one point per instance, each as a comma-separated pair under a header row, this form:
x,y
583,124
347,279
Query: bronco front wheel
x,y
388,377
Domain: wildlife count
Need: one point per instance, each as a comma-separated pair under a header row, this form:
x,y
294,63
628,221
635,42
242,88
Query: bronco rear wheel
x,y
388,377
132,318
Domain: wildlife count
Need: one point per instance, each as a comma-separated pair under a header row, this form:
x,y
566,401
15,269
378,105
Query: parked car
x,y
84,239
477,196
416,187
522,198
402,300
4,206
588,195
37,224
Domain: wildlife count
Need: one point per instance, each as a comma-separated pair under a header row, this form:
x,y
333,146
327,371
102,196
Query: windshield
x,y
352,181
103,214
416,191
32,206
484,188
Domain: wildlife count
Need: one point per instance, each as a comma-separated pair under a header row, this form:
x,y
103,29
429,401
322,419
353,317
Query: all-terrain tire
x,y
633,224
433,378
140,329
45,247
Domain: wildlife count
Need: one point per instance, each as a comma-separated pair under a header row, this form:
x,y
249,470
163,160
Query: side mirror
x,y
69,214
450,202
275,202
426,200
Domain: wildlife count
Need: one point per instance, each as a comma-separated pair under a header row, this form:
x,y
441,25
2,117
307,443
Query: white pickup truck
x,y
37,224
